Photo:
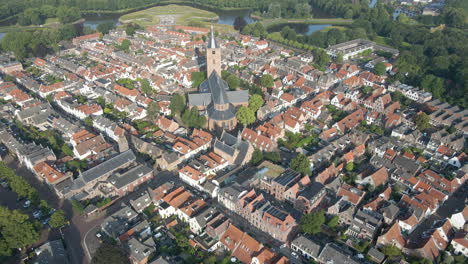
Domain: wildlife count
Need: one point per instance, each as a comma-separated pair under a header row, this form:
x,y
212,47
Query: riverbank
x,y
267,23
50,23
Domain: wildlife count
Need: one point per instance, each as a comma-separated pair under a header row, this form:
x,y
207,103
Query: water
x,y
2,34
228,17
303,29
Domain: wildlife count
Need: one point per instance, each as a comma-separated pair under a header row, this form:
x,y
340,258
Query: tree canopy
x,y
422,121
312,223
58,219
245,115
108,254
255,102
192,118
177,104
301,164
16,231
266,81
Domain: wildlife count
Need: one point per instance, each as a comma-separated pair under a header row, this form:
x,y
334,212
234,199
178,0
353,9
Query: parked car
x,y
46,221
37,214
294,254
27,204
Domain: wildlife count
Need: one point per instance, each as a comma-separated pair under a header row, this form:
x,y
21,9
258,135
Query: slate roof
x,y
217,87
333,254
307,245
122,180
108,166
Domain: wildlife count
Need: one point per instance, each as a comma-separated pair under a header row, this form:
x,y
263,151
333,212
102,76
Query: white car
x,y
294,254
27,204
37,214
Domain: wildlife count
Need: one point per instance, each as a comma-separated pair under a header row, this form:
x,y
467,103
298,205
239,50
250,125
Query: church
x,y
215,99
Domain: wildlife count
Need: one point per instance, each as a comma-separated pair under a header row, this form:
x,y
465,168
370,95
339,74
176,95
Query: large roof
x,y
217,87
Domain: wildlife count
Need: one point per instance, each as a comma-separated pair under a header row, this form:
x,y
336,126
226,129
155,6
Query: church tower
x,y
213,55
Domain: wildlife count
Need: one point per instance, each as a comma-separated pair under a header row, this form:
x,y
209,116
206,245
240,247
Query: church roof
x,y
217,87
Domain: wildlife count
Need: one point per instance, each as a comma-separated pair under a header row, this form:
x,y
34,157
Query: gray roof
x,y
307,245
375,254
311,190
52,252
108,166
217,87
122,180
332,254
140,250
391,211
119,222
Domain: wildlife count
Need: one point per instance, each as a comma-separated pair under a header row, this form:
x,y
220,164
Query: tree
x,y
105,27
333,222
16,230
153,110
146,87
274,156
192,118
391,251
422,121
177,104
88,121
350,166
321,58
108,254
366,90
257,157
255,102
131,28
57,219
198,78
239,23
245,115
312,223
301,164
266,81
233,81
125,45
339,57
379,68
67,150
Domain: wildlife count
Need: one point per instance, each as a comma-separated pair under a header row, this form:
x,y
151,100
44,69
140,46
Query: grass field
x,y
183,15
333,27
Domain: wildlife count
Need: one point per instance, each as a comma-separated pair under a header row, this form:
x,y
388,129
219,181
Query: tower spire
x,y
212,42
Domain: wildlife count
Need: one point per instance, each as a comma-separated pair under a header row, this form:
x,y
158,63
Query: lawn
x,y
333,27
183,15
319,21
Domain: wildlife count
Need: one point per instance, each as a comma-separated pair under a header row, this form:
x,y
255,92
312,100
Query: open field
x,y
333,27
180,15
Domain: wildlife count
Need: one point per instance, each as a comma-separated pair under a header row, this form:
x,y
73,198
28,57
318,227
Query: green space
x,y
183,15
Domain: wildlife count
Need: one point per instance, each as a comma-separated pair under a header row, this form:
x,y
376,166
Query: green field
x,y
183,15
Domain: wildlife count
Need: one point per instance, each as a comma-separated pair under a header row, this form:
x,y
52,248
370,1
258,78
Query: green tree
x,y
312,223
391,251
125,45
366,89
245,115
177,104
266,81
333,222
239,23
67,150
379,68
257,157
153,110
321,58
350,166
146,87
274,156
131,28
108,254
88,121
105,27
301,164
339,58
422,121
57,219
192,118
233,81
198,78
255,102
